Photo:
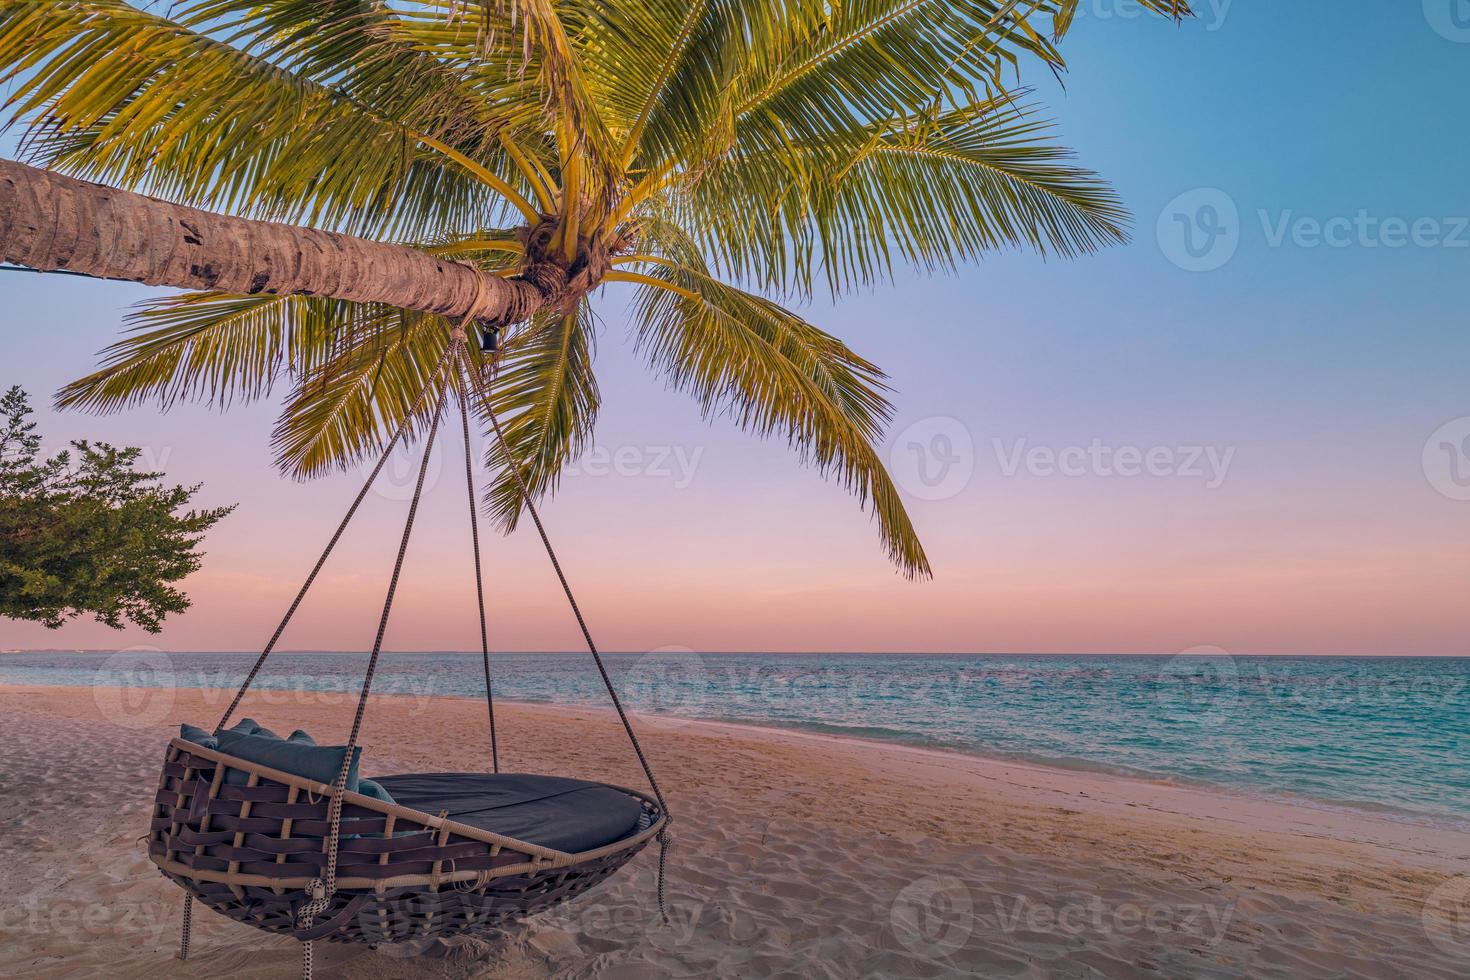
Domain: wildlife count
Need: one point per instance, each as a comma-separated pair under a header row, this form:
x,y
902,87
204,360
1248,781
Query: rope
x,y
306,960
322,889
341,528
665,840
188,926
469,479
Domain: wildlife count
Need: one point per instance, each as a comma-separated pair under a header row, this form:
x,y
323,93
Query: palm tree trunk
x,y
49,222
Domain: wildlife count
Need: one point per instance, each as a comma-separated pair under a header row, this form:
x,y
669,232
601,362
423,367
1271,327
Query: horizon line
x,y
765,653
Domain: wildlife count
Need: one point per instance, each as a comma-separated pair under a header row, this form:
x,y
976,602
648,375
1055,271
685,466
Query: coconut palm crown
x,y
712,153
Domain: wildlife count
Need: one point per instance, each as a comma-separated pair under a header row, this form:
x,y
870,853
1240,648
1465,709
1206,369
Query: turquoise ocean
x,y
1389,734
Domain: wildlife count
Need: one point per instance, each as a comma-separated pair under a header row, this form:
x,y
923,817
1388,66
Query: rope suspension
x,y
665,839
367,484
455,369
469,479
322,889
187,928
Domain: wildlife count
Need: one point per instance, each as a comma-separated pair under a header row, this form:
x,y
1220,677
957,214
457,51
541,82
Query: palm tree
x,y
340,181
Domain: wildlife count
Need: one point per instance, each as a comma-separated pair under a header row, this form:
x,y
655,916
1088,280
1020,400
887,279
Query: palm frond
x,y
545,395
1066,13
582,132
210,346
932,189
772,373
772,143
116,94
829,72
346,409
471,101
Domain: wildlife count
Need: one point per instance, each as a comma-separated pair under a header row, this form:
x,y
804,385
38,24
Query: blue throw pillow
x,y
249,726
198,736
368,787
318,762
300,736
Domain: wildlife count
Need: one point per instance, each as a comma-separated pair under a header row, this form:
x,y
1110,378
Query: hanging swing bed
x,y
286,836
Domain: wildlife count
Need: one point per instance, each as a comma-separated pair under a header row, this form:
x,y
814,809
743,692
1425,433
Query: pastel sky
x,y
1249,428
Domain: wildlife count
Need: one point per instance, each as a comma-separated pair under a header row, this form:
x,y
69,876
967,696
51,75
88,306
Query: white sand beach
x,y
796,856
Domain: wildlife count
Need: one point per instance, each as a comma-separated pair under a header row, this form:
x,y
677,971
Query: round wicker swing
x,y
251,852
297,857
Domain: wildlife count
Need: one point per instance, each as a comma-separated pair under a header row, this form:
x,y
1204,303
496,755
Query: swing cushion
x,y
564,814
198,736
371,788
318,762
249,726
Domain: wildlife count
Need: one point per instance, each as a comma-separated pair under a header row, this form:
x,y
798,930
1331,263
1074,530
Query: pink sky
x,y
1333,376
1320,542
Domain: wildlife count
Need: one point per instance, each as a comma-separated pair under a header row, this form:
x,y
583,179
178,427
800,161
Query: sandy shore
x,y
796,856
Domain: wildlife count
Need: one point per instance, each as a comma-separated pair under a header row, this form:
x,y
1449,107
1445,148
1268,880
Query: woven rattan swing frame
x,y
296,857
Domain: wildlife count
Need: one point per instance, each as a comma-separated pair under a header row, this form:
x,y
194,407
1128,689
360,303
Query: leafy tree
x,y
498,161
85,531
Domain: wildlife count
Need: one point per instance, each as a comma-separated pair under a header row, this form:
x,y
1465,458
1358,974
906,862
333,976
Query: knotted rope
x,y
398,435
460,367
187,927
322,889
469,479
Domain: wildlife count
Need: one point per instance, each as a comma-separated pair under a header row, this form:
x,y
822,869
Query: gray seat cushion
x,y
564,814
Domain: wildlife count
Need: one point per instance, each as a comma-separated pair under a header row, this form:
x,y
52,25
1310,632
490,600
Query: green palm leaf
x,y
209,346
774,143
934,189
122,96
346,409
771,372
545,395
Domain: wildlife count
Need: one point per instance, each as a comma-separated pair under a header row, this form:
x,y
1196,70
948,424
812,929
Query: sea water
x,y
1390,734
